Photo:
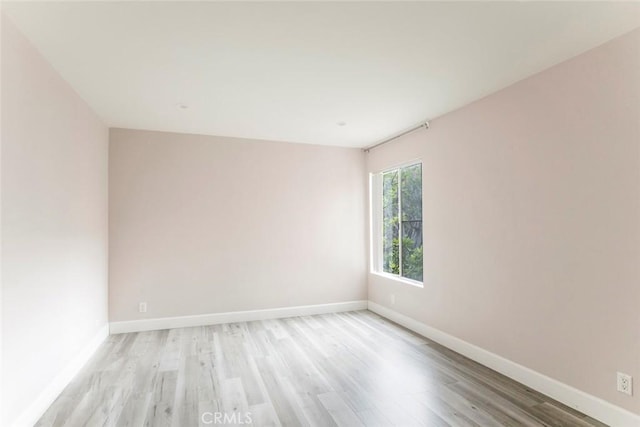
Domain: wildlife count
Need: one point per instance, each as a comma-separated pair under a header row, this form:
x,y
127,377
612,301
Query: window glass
x,y
390,223
400,222
411,222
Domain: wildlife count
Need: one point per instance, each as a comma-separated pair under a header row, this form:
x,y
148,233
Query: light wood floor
x,y
346,369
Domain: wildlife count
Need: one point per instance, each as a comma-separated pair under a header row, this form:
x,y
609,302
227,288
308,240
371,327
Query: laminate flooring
x,y
344,369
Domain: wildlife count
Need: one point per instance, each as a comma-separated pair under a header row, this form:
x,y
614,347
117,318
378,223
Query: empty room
x,y
308,213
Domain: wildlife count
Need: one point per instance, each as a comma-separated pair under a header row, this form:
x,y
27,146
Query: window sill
x,y
399,279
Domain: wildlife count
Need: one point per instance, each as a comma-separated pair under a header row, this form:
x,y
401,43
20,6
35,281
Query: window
x,y
397,222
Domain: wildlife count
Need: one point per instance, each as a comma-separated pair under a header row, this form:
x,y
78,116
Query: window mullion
x,y
380,195
400,221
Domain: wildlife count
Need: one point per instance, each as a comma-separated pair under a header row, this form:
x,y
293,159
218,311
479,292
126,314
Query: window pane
x,y
411,197
390,223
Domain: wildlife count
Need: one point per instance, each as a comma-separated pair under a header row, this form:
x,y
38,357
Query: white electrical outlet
x,y
625,383
142,308
392,298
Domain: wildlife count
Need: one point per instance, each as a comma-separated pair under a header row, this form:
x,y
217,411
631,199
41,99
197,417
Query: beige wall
x,y
202,224
54,224
532,221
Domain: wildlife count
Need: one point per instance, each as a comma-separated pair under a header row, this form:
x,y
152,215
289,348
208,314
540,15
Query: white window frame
x,y
375,221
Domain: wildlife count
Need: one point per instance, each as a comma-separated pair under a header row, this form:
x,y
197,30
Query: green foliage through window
x,y
402,222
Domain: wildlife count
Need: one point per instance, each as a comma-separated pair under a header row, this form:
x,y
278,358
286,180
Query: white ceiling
x,y
291,71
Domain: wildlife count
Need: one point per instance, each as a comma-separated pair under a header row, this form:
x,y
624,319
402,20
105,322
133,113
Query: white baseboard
x,y
50,393
233,316
588,404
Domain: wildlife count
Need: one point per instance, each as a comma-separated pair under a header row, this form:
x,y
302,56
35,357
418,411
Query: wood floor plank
x,y
343,369
341,413
161,410
454,415
263,414
281,396
500,409
460,405
134,412
422,414
556,417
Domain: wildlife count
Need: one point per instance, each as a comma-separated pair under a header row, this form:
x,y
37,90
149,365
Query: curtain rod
x,y
424,125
